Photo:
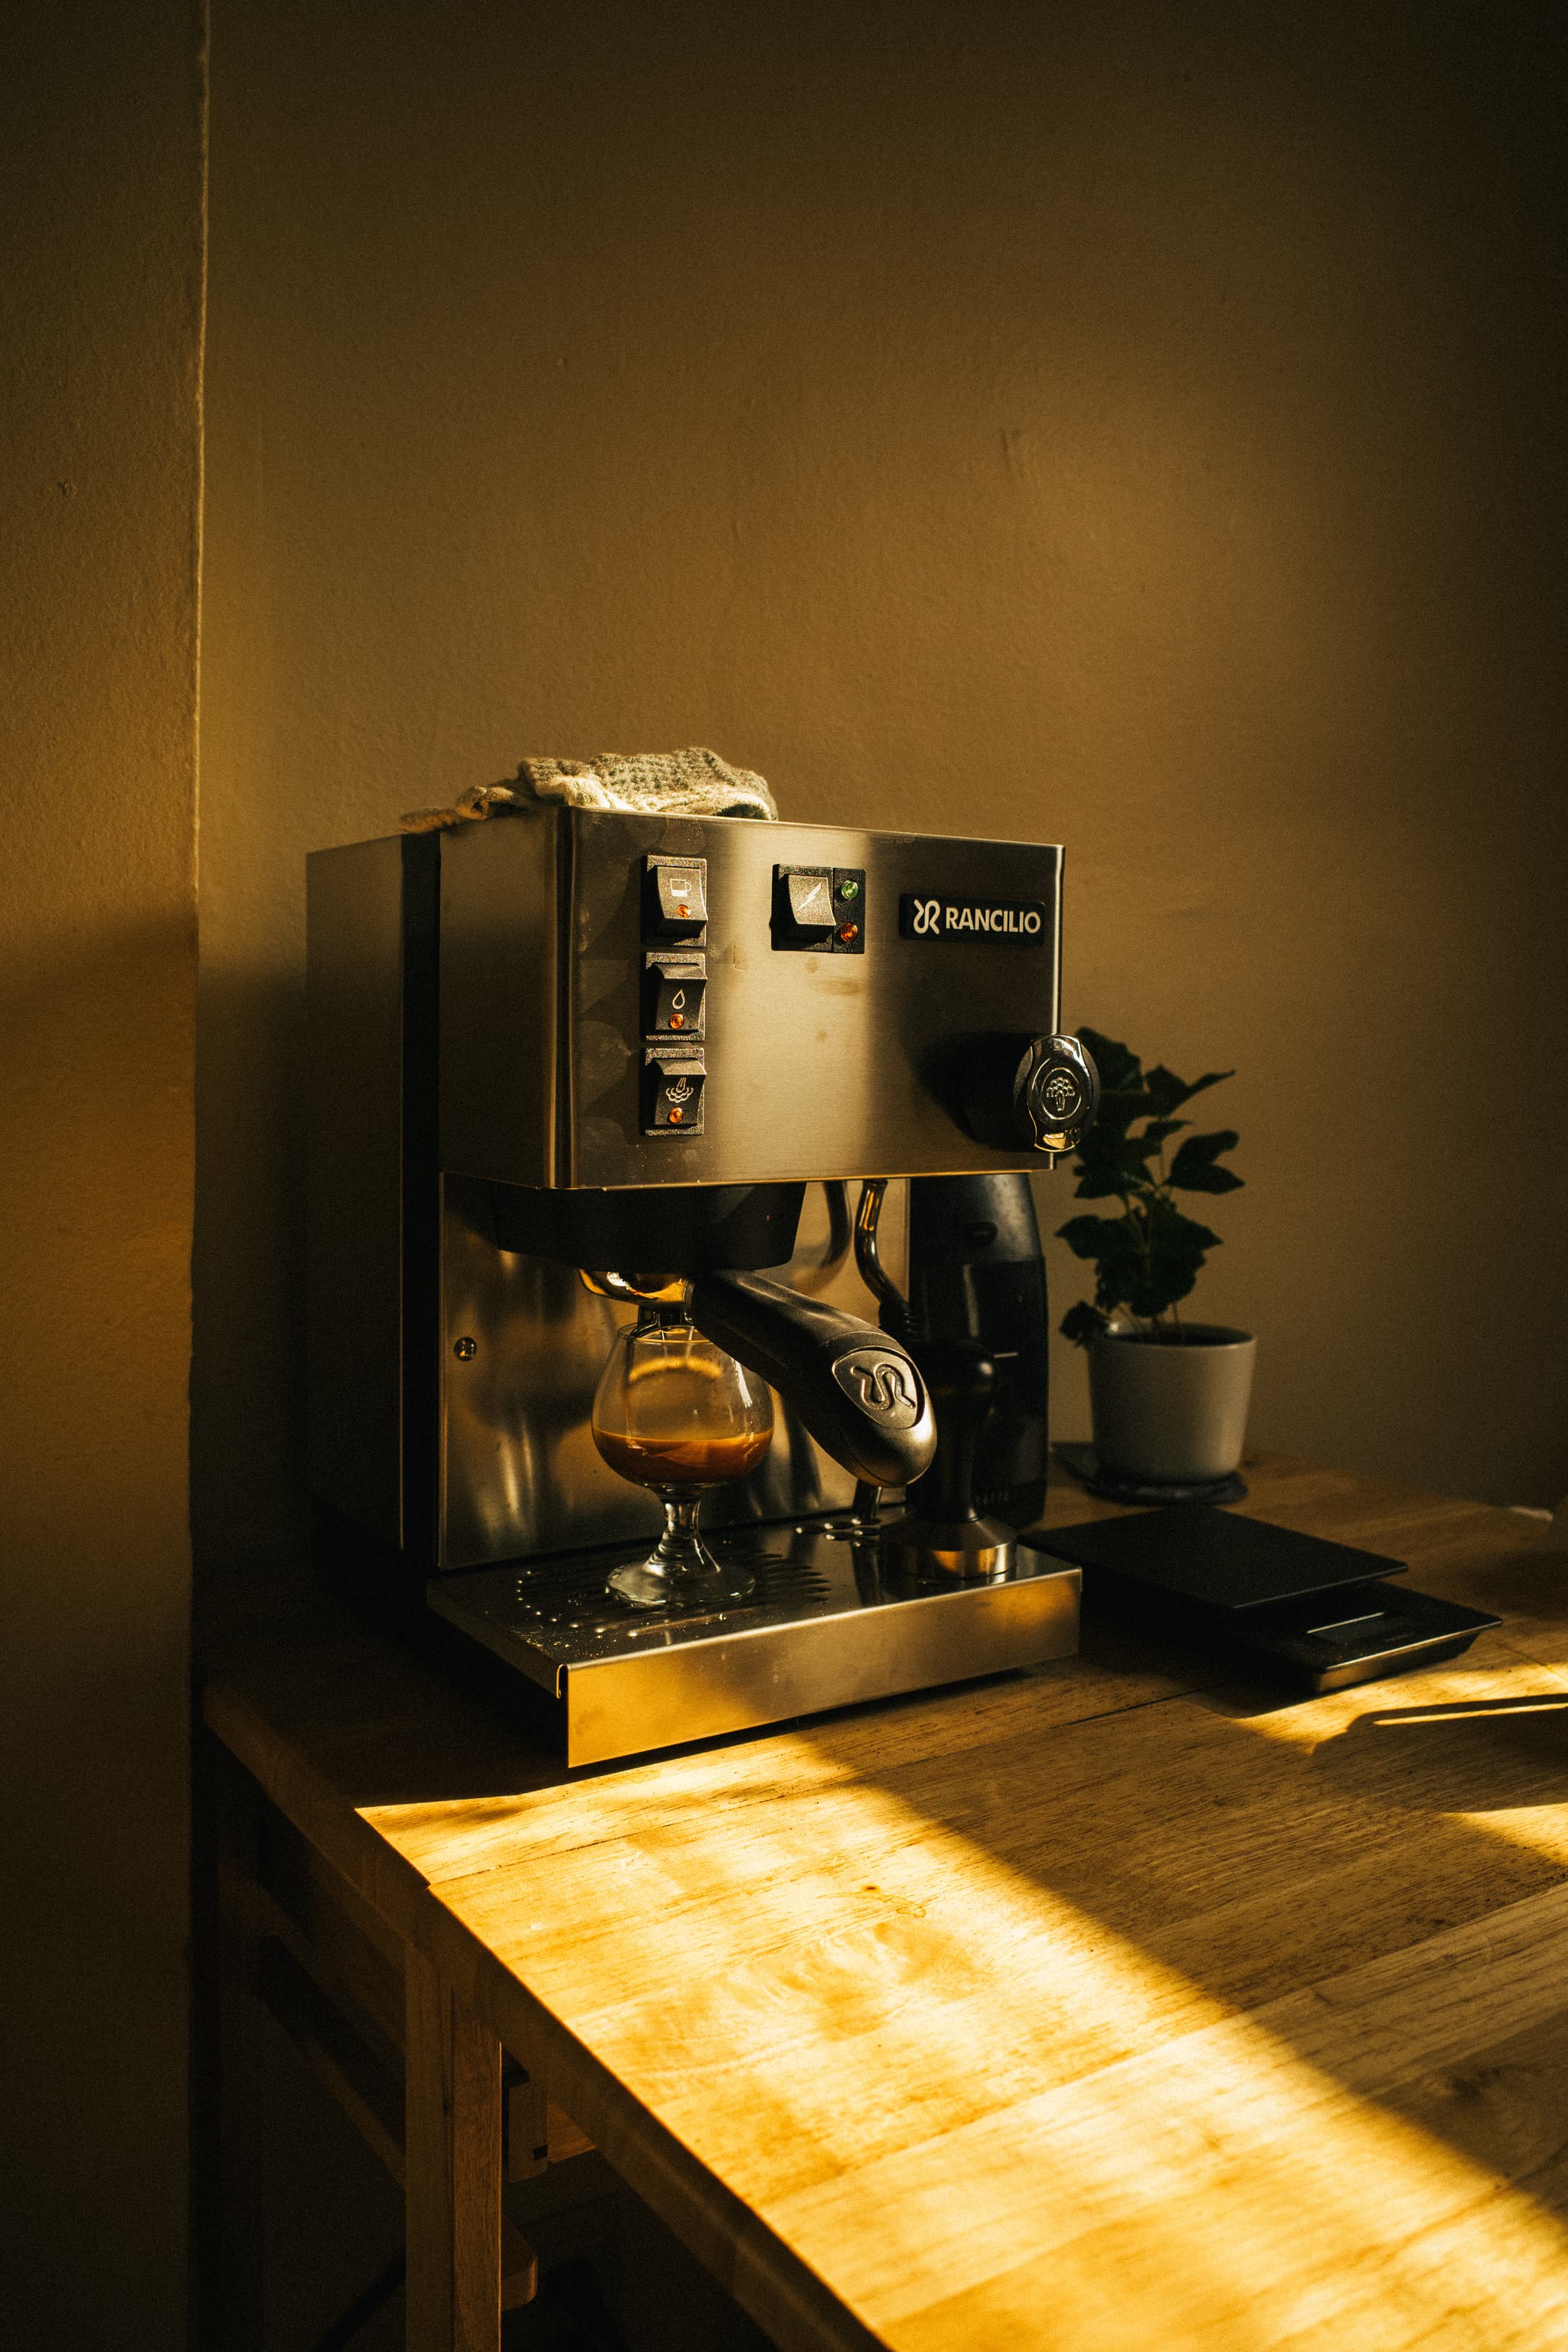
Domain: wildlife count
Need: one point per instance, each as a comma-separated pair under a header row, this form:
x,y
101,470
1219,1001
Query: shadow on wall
x,y
248,1504
95,1199
97,1109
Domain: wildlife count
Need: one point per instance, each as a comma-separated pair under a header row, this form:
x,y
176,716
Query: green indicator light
x,y
850,889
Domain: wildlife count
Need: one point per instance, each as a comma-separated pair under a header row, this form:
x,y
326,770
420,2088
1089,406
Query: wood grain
x,y
1306,2125
930,1943
452,2170
1114,2005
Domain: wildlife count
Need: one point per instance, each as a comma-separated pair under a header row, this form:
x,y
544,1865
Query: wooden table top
x,y
1104,2007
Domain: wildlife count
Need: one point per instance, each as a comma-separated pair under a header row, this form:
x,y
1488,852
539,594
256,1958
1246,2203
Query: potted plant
x,y
1169,1398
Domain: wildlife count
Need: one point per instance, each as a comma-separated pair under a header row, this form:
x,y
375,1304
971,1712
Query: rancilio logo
x,y
885,1386
1022,921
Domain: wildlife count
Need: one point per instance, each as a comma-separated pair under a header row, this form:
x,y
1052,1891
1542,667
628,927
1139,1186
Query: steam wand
x,y
892,1307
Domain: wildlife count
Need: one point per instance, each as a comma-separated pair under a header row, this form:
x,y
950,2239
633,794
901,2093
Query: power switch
x,y
809,903
676,986
675,897
674,1079
819,909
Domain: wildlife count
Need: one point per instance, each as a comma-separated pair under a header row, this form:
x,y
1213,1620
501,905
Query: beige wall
x,y
101,289
1132,426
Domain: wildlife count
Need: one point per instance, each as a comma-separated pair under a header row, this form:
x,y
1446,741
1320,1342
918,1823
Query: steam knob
x,y
1037,1094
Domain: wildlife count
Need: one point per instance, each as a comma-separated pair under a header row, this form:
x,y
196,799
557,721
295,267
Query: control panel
x,y
675,982
644,999
816,910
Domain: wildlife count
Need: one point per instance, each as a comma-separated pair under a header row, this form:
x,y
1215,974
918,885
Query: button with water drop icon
x,y
676,988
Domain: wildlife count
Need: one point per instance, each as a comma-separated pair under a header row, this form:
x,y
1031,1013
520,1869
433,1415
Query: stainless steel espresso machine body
x,y
565,1060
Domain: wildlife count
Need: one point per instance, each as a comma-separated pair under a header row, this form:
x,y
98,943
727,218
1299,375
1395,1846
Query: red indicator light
x,y
848,932
678,1020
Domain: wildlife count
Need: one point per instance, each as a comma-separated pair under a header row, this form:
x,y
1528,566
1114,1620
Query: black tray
x,y
1318,1616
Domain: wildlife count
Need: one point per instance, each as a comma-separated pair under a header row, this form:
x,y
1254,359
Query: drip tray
x,y
822,1627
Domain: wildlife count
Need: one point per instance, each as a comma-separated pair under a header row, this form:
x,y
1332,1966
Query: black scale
x,y
1319,1615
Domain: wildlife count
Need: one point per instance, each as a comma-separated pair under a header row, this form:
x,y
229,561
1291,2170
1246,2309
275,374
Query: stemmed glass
x,y
676,1414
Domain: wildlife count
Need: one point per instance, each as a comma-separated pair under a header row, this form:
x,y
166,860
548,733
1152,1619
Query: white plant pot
x,y
1171,1409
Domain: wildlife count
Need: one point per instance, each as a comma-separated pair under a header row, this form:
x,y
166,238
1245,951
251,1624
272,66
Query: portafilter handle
x,y
856,1391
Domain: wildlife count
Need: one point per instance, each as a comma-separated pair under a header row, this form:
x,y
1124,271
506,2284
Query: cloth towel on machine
x,y
694,783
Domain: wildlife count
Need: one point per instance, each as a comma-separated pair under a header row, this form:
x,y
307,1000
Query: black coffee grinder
x,y
975,1322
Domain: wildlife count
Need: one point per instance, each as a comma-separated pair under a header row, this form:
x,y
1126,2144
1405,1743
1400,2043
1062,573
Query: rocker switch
x,y
676,986
675,902
819,909
810,902
674,1080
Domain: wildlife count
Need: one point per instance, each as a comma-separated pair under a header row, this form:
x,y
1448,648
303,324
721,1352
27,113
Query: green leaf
x,y
1082,1323
1161,1287
1122,1271
1155,1279
1170,1092
1116,1165
1175,1234
1150,1256
1194,1170
1118,1109
1091,1237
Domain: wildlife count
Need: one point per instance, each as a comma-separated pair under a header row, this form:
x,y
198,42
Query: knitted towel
x,y
677,784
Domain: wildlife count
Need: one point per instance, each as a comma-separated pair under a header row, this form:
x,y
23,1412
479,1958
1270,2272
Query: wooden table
x,y
1102,2007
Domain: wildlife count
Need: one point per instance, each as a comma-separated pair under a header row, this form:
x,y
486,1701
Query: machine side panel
x,y
499,1018
353,1000
421,1199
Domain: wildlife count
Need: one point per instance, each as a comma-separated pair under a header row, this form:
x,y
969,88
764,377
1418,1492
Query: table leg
x,y
452,2168
230,2065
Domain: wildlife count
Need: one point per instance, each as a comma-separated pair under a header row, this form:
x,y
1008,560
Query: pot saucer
x,y
1083,1464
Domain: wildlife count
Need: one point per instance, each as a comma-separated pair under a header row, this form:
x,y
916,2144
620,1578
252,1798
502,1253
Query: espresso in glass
x,y
675,1413
702,1462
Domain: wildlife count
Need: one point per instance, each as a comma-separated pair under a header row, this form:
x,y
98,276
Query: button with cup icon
x,y
675,898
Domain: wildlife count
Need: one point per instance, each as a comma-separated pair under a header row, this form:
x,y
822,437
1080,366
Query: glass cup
x,y
676,1414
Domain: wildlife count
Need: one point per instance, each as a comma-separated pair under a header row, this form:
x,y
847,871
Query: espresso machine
x,y
665,1165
